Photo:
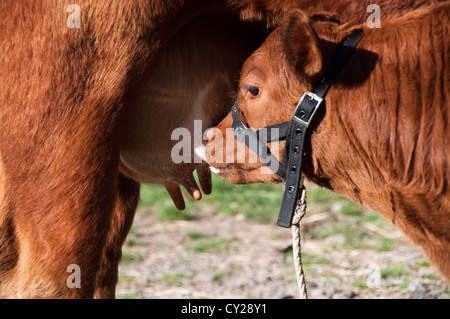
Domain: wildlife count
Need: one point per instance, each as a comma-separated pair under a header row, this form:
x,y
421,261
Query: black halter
x,y
293,132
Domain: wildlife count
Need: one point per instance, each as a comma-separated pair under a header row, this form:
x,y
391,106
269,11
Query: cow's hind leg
x,y
58,255
122,219
59,214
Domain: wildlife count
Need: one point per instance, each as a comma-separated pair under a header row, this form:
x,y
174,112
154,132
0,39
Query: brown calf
x,y
382,137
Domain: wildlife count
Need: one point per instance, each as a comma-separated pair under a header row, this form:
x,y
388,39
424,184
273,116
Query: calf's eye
x,y
253,90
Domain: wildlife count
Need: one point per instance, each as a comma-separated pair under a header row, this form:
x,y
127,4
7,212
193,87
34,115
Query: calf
x,y
381,136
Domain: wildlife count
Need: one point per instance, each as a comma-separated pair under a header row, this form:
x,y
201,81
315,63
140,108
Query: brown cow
x,y
382,137
68,185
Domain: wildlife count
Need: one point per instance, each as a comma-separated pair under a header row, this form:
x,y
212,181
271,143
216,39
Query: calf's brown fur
x,y
382,137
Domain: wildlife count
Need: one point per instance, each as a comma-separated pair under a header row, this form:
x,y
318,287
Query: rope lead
x,y
300,211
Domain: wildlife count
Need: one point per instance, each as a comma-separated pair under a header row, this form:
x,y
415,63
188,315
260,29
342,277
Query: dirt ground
x,y
224,256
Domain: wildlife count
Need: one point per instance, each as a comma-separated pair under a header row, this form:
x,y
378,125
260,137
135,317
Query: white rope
x,y
300,211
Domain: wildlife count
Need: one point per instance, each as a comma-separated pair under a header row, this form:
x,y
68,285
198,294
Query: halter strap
x,y
301,119
293,131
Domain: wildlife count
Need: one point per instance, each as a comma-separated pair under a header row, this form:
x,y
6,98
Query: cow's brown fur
x,y
65,96
382,137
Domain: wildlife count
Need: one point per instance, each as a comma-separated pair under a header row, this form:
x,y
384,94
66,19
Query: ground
x,y
228,246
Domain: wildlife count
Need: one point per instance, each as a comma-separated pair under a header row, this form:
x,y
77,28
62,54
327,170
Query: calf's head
x,y
272,81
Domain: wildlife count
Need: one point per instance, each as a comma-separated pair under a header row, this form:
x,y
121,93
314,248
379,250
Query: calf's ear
x,y
301,45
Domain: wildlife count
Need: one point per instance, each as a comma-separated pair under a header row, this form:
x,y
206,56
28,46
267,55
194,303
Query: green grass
x,y
373,218
354,238
310,260
153,195
386,244
195,235
125,278
360,283
217,244
261,203
422,263
176,278
129,257
202,243
405,283
171,213
258,202
131,295
351,209
321,196
133,242
218,275
392,271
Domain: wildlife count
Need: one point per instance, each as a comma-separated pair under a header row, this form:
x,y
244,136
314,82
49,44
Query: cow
x,y
81,108
380,137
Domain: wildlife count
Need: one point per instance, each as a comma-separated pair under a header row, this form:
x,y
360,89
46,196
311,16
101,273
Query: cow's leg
x,y
59,255
59,260
122,219
61,198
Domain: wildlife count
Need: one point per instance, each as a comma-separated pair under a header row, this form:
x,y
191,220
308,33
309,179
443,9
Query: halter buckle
x,y
303,113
